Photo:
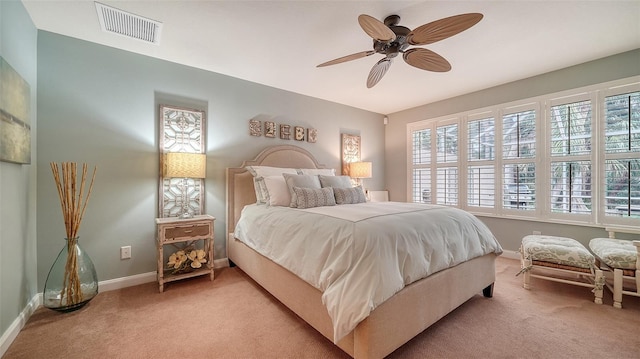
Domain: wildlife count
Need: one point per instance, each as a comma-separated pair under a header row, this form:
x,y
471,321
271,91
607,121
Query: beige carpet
x,y
232,317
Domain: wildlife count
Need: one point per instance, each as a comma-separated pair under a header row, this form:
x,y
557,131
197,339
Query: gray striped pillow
x,y
349,195
314,197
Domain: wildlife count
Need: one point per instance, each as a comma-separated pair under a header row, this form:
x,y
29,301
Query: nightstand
x,y
180,233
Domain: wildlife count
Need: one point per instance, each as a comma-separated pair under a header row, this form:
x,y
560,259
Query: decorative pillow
x,y
349,195
259,172
318,171
335,181
303,181
277,191
314,197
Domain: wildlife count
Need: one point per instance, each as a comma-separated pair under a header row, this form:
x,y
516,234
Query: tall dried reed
x,y
73,207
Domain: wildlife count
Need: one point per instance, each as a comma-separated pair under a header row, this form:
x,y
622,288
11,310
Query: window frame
x,y
602,156
542,160
592,157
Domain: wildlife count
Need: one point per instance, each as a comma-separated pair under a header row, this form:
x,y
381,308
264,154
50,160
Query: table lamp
x,y
360,170
185,165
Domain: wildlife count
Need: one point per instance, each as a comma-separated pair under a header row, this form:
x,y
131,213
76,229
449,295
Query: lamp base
x,y
186,215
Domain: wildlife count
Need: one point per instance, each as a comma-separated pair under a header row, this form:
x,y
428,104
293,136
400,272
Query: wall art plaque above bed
x,y
270,130
299,133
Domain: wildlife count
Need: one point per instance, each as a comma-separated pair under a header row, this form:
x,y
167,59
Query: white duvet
x,y
359,255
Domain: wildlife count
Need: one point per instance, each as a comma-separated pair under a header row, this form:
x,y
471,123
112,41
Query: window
x,y
622,188
570,189
447,143
622,155
570,148
518,148
447,157
481,168
447,186
519,186
421,177
622,113
519,135
481,191
578,161
571,129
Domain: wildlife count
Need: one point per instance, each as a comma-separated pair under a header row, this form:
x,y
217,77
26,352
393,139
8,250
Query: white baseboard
x,y
12,332
130,281
104,286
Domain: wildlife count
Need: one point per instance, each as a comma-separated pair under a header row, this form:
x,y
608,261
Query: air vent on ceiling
x,y
130,25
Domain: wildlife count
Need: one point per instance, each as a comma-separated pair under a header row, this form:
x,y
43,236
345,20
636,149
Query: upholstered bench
x,y
560,259
622,258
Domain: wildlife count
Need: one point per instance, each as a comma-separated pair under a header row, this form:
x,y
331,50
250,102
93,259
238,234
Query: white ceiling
x,y
279,43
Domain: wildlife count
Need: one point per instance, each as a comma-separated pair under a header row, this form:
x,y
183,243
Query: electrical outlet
x,y
125,252
537,233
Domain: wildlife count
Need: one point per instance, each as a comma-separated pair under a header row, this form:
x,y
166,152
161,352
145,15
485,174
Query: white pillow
x,y
318,171
302,181
259,172
278,192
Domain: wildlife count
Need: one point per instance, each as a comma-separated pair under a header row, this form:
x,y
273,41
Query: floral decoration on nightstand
x,y
186,260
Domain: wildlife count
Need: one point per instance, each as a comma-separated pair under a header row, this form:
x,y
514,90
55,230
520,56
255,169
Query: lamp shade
x,y
187,165
360,169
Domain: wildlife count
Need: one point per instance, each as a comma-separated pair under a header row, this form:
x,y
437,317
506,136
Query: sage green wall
x,y
18,281
508,232
99,105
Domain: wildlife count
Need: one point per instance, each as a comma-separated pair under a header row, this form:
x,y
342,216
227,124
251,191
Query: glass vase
x,y
72,281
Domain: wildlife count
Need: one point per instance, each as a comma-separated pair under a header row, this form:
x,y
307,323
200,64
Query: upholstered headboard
x,y
240,190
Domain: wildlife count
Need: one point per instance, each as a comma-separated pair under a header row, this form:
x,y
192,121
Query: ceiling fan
x,y
390,39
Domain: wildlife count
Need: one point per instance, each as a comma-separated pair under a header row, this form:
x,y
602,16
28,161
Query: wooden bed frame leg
x,y
488,291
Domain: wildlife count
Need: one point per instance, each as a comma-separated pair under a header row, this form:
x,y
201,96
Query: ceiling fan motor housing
x,y
399,44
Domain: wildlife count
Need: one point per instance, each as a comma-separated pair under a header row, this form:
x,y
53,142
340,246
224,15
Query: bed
x,y
393,322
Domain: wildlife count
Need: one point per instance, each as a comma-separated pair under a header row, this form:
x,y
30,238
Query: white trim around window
x,y
554,170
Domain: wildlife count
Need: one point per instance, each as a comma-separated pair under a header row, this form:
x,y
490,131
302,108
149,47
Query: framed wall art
x,y
350,151
15,109
182,130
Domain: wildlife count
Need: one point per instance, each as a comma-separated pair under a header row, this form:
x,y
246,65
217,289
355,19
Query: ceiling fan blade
x,y
442,29
426,60
376,28
377,71
347,58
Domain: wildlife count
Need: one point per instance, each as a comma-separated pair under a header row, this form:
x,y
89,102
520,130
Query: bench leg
x,y
598,286
617,288
526,276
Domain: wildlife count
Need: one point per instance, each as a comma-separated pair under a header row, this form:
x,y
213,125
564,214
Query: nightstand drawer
x,y
186,231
